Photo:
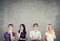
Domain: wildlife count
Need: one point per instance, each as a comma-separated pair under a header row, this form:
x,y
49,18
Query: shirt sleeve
x,y
30,34
46,33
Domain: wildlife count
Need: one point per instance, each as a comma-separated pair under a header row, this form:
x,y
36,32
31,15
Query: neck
x,y
35,30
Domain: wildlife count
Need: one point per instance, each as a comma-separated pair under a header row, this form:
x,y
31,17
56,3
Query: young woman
x,y
50,34
21,34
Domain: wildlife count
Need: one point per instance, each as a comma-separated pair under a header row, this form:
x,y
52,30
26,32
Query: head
x,y
35,26
10,26
22,27
50,27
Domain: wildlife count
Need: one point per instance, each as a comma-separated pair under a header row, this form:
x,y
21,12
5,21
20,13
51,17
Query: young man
x,y
35,35
9,35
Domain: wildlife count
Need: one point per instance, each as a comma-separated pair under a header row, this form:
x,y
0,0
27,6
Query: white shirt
x,y
35,34
49,37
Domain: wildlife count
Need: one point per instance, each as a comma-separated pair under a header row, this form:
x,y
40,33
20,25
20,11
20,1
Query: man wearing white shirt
x,y
35,35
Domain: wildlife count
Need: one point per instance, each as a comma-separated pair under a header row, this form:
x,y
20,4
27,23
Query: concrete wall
x,y
29,12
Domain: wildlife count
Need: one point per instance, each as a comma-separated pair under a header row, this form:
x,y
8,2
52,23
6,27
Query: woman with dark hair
x,y
21,34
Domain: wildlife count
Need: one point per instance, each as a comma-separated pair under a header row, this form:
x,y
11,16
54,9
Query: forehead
x,y
35,25
50,25
10,26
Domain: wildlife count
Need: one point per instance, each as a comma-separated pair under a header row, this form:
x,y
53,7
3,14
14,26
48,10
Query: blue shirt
x,y
7,36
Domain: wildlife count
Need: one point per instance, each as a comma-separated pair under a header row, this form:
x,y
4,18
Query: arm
x,y
12,37
22,38
3,39
54,35
18,35
32,38
39,38
43,37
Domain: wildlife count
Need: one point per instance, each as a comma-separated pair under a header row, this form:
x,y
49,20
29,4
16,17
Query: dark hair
x,y
24,28
35,24
49,24
10,25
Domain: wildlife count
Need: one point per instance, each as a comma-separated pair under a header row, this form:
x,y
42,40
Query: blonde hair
x,y
47,28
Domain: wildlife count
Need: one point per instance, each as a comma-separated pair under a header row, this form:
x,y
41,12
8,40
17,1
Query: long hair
x,y
47,28
24,28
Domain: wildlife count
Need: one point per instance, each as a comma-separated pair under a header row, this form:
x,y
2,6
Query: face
x,y
35,27
50,27
21,28
10,28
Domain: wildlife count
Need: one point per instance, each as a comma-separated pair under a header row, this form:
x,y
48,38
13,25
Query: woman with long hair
x,y
21,34
50,34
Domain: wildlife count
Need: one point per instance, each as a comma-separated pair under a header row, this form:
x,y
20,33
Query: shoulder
x,y
46,33
31,31
5,32
13,33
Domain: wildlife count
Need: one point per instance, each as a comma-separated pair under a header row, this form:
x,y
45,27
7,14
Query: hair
x,y
10,25
35,24
49,24
48,27
24,28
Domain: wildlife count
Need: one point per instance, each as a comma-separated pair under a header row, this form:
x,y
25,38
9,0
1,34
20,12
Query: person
x,y
35,35
9,35
21,34
50,34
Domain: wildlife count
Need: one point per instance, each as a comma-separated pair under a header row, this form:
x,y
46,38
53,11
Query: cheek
x,y
50,28
36,28
21,28
10,28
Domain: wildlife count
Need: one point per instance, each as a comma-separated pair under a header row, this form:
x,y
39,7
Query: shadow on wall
x,y
57,29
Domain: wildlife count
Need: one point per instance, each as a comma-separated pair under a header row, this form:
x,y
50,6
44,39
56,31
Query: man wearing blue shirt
x,y
9,35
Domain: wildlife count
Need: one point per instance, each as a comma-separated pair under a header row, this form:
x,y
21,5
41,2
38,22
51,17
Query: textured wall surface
x,y
30,12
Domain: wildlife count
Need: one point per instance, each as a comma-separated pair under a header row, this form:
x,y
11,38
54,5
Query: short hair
x,y
35,24
10,25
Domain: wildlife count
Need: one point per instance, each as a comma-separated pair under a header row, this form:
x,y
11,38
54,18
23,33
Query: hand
x,y
38,39
21,31
10,32
53,32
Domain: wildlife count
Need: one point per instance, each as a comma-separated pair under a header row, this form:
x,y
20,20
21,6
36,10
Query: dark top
x,y
7,36
22,35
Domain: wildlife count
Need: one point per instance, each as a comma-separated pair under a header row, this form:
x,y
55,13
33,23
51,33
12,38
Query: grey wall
x,y
29,12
